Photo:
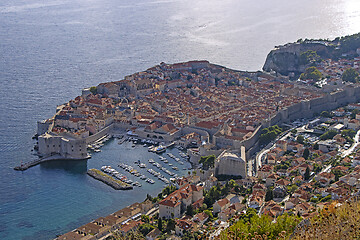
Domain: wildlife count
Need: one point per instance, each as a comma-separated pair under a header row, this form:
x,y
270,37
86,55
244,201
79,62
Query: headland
x,y
221,117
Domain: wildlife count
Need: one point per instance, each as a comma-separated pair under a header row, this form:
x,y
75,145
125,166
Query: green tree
x,y
170,225
325,114
269,134
209,213
317,168
316,146
190,210
300,139
350,75
348,133
328,135
253,226
145,218
160,224
306,153
337,174
353,113
307,173
311,73
207,161
93,90
269,195
146,228
309,56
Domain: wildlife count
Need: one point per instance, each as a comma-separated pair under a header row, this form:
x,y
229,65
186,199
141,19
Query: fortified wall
x,y
304,109
307,109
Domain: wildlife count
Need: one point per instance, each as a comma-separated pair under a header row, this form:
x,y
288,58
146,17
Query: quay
x,y
116,184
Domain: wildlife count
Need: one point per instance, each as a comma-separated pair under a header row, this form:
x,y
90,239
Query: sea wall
x,y
100,134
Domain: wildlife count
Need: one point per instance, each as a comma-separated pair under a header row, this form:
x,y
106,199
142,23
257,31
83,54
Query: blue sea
x,y
51,49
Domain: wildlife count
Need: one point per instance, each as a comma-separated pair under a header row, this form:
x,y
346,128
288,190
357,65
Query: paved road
x,y
270,146
355,144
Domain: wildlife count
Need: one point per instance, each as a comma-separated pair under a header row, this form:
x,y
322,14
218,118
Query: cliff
x,y
286,59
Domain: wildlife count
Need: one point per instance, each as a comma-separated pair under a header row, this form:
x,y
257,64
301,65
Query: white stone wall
x,y
54,144
230,164
165,211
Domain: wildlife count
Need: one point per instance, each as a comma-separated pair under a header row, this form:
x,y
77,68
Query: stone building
x,y
52,144
229,163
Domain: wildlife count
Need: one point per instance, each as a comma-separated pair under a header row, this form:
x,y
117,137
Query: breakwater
x,y
24,166
116,184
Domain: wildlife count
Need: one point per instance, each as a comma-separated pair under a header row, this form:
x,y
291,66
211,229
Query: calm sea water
x,y
50,50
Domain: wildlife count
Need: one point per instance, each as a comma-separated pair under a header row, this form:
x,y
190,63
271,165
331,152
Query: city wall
x,y
305,109
100,134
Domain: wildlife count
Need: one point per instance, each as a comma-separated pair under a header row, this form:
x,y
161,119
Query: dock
x,y
170,145
108,180
25,166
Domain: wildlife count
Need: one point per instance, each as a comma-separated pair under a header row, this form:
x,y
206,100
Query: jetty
x,y
24,166
103,177
27,165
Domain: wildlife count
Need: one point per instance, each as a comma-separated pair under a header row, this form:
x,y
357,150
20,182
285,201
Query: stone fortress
x,y
63,145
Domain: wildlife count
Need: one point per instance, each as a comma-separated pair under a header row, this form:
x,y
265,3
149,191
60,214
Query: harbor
x,y
135,165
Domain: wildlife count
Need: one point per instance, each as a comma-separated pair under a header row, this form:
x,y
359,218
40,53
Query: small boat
x,y
142,165
137,184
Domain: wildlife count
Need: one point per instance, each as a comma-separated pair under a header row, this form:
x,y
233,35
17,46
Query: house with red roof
x,y
183,225
221,205
175,204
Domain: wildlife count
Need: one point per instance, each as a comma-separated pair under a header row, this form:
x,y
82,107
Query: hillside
x,y
336,221
296,57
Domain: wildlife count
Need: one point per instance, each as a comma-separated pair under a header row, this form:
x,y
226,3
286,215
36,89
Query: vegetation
x,y
328,135
350,75
93,90
146,228
207,161
252,226
306,153
348,134
337,174
300,139
160,224
216,192
307,173
348,43
269,134
353,113
325,114
311,73
332,223
190,210
309,57
269,195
